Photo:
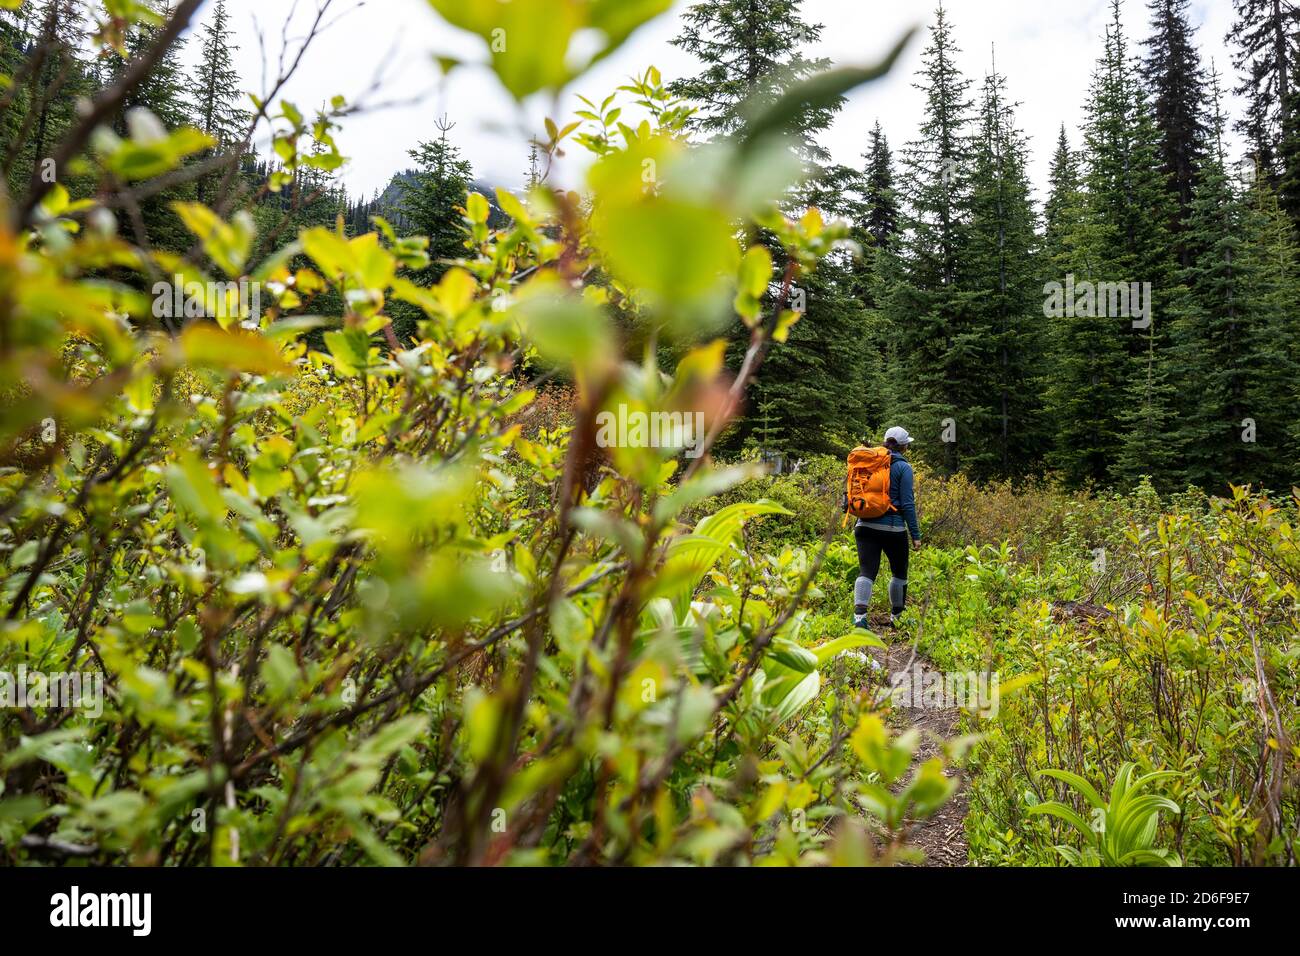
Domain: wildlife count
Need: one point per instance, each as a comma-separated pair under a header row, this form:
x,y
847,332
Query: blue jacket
x,y
903,499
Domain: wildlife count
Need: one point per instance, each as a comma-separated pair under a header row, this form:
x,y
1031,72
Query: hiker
x,y
878,493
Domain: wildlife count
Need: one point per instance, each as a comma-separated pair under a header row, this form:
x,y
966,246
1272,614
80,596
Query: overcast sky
x,y
1046,48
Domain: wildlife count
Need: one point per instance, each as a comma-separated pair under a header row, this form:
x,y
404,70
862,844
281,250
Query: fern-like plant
x,y
1123,830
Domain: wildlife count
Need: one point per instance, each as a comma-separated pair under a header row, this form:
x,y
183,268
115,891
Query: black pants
x,y
872,541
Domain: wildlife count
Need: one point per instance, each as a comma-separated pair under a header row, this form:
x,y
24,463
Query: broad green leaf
x,y
826,652
206,346
350,350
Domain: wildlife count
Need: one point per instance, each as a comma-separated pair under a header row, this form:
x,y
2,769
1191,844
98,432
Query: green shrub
x,y
359,603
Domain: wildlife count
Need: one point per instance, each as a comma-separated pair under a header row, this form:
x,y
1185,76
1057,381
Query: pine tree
x,y
533,175
1213,325
878,209
1288,149
163,91
1128,193
216,93
875,216
1265,36
215,88
1272,347
13,52
875,228
999,266
1236,333
929,313
1086,358
441,180
1175,81
813,392
1063,211
44,105
751,52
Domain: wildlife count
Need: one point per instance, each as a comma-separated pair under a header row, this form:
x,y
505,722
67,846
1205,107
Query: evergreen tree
x,y
1236,336
533,175
813,395
1128,193
936,348
1085,362
164,90
1271,259
439,185
751,52
999,266
1174,78
215,91
1265,36
1212,325
1063,211
812,386
163,93
13,53
878,215
876,226
1288,160
216,86
44,104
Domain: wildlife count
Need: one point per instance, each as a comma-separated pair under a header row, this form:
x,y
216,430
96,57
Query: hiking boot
x,y
860,620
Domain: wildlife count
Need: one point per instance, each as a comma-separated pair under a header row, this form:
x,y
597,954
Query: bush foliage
x,y
352,603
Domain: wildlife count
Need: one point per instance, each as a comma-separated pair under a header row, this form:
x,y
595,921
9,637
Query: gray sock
x,y
862,592
897,594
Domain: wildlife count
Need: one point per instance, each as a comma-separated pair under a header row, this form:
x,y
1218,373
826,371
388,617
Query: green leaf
x,y
349,349
690,557
228,245
673,251
800,696
1056,809
704,484
791,655
280,671
695,712
477,208
755,271
531,42
566,329
1078,783
820,90
205,346
136,159
194,490
827,651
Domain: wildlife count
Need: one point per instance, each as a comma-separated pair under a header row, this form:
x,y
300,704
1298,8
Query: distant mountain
x,y
389,202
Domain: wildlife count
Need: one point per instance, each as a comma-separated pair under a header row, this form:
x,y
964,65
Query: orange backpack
x,y
867,487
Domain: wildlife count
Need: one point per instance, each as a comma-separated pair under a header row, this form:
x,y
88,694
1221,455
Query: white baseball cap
x,y
899,435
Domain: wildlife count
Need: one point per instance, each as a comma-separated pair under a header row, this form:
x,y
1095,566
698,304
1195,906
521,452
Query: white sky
x,y
1046,48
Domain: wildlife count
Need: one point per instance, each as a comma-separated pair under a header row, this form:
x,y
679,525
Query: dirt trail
x,y
943,836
